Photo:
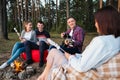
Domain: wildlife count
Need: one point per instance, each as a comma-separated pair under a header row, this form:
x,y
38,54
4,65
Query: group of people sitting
x,y
30,39
100,50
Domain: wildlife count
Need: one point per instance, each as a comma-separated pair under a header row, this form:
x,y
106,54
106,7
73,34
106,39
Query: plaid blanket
x,y
108,71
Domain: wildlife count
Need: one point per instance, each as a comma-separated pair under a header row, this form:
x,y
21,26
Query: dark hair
x,y
108,19
41,22
70,17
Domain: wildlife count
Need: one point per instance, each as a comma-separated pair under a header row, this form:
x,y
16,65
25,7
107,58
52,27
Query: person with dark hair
x,y
100,50
41,44
73,37
72,45
27,34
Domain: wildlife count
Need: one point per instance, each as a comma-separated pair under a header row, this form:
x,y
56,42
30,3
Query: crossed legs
x,y
55,58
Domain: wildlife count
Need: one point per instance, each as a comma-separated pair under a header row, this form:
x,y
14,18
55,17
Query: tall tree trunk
x,y
22,16
45,9
119,5
56,15
49,17
33,11
1,26
38,10
26,9
15,13
19,15
90,16
67,10
110,2
3,20
101,3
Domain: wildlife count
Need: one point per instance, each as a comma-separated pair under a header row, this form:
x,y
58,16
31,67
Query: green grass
x,y
6,45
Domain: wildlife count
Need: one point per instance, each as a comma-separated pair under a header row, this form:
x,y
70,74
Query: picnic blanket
x,y
108,71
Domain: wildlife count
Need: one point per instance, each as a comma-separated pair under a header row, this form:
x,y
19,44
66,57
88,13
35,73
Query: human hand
x,y
47,42
38,43
66,41
62,35
22,39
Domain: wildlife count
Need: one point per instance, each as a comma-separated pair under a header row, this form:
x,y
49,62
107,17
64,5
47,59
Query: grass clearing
x,y
6,45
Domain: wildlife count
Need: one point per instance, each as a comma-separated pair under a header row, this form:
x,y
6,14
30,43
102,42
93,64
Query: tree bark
x,y
101,3
26,9
1,32
119,5
56,15
67,10
3,20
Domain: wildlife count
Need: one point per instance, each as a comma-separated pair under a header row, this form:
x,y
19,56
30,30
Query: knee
x,y
53,54
17,43
42,43
27,43
53,51
20,50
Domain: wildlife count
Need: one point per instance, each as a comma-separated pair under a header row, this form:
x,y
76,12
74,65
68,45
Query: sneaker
x,y
4,65
12,65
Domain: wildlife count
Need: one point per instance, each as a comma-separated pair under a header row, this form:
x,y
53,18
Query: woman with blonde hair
x,y
27,34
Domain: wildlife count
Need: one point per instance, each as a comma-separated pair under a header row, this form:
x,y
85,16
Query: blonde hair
x,y
25,23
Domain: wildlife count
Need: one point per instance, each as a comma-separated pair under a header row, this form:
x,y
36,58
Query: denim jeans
x,y
70,50
31,45
18,48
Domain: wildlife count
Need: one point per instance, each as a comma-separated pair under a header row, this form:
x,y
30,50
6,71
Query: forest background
x,y
52,12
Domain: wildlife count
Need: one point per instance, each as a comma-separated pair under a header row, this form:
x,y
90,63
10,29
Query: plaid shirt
x,y
108,71
78,36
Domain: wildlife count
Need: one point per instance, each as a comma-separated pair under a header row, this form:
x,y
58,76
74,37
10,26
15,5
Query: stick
x,y
17,32
54,44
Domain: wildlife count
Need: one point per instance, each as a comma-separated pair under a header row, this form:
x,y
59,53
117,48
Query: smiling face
x,y
28,26
40,26
71,23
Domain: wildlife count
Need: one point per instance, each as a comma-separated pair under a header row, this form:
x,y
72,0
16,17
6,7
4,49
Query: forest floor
x,y
6,47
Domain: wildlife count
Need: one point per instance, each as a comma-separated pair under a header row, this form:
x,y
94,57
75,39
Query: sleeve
x,y
47,34
90,57
79,38
68,31
22,33
34,38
